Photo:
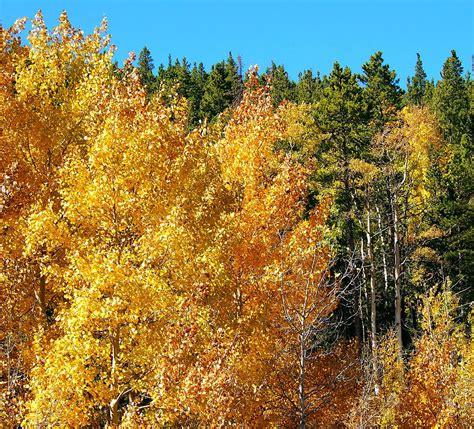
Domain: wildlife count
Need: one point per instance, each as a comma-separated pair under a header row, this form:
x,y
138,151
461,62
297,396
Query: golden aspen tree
x,y
154,275
439,390
406,149
129,208
51,92
433,388
384,382
267,195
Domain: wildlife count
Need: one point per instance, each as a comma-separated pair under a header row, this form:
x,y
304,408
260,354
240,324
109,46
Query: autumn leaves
x,y
147,263
155,275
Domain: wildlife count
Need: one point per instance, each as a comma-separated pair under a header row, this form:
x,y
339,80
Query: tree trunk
x,y
351,252
114,408
384,256
114,414
373,307
373,300
397,272
41,295
301,381
363,319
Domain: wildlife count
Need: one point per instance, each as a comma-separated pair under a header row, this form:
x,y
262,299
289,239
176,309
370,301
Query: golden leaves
x,y
246,151
429,387
151,251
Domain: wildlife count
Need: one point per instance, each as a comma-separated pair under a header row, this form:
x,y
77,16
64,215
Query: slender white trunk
x,y
397,273
42,294
364,288
373,300
114,409
384,256
301,383
373,307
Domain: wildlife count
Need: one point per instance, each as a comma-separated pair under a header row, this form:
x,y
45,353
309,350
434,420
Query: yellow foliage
x,y
439,390
434,386
142,261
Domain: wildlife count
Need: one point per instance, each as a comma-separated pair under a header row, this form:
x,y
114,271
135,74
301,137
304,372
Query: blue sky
x,y
299,34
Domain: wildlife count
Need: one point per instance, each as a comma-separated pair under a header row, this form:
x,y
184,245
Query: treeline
x,y
211,92
218,248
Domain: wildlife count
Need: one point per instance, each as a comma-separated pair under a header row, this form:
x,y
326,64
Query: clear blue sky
x,y
299,34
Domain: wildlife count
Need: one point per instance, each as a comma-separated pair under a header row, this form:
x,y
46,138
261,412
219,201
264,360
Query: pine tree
x,y
197,83
383,98
282,86
452,101
309,88
342,118
429,92
145,70
166,77
233,80
416,87
160,75
223,87
381,89
453,188
183,77
214,98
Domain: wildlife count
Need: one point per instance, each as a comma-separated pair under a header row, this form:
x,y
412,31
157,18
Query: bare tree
x,y
310,292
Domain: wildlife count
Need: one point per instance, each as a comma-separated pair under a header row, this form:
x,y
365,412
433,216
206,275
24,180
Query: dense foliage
x,y
203,248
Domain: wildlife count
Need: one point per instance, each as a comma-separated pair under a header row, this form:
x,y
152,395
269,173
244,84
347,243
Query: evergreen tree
x,y
233,80
452,101
196,91
429,92
309,88
215,97
167,76
416,87
182,77
163,77
341,117
145,70
283,88
381,89
170,69
160,75
175,78
222,89
453,188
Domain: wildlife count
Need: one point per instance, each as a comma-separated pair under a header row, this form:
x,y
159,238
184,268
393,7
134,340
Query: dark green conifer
x,y
309,88
145,70
381,91
233,80
197,84
451,100
215,97
341,116
283,88
416,86
453,189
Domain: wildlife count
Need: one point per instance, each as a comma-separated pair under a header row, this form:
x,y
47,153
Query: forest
x,y
222,247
